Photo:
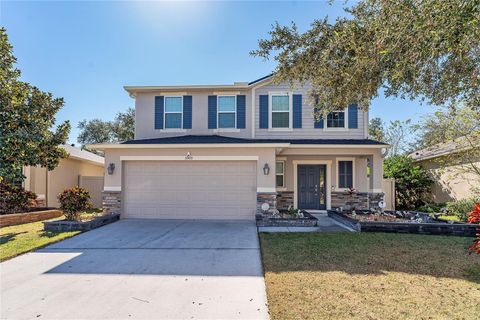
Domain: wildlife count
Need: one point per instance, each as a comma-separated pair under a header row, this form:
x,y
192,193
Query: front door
x,y
311,187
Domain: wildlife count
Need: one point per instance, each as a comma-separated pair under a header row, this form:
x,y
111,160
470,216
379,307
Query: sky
x,y
87,51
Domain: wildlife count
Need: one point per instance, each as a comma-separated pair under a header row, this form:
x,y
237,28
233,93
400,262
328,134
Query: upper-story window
x,y
227,111
336,119
173,112
280,111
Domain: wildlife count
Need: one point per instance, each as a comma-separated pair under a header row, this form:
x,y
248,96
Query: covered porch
x,y
324,178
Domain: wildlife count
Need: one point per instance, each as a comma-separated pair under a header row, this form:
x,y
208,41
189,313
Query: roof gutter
x,y
234,145
187,145
133,90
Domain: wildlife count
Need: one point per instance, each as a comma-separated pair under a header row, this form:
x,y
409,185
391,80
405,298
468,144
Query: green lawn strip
x,y
15,240
370,276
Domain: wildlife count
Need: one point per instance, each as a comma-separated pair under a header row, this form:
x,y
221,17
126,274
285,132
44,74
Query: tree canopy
x,y
122,128
396,134
28,135
428,49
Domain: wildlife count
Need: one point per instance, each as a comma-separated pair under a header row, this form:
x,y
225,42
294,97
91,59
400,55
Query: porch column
x,y
376,173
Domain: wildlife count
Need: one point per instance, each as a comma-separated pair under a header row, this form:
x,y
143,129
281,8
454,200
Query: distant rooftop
x,y
84,155
434,151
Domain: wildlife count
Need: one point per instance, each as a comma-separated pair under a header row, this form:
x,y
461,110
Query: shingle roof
x,y
85,155
260,79
216,139
436,150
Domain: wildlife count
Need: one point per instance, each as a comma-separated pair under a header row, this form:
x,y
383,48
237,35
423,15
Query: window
x,y
173,112
280,173
227,111
280,111
345,174
336,119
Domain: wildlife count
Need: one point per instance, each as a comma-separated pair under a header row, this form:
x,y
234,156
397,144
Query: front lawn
x,y
370,276
15,240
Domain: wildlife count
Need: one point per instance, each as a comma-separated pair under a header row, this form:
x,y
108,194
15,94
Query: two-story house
x,y
223,151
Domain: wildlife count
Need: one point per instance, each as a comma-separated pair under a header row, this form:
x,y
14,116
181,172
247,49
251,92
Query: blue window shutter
x,y
212,112
318,124
241,111
352,116
297,110
187,112
263,111
159,103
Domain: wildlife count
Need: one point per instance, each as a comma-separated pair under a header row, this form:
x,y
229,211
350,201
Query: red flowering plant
x,y
474,217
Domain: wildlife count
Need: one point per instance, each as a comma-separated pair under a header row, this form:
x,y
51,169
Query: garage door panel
x,y
189,190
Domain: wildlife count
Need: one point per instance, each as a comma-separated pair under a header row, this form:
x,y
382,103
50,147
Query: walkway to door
x,y
324,224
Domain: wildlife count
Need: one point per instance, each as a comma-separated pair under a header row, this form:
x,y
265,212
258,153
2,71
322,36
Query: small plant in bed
x,y
391,216
73,202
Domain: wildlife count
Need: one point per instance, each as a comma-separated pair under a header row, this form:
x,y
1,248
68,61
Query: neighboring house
x,y
222,151
450,182
81,168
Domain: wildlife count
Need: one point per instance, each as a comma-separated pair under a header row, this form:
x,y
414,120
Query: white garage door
x,y
189,189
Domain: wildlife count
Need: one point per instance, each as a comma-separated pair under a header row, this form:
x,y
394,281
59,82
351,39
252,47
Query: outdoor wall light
x,y
266,169
111,168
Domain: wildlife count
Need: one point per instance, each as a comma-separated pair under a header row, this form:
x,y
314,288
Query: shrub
x,y
431,208
474,217
73,201
412,184
461,208
15,199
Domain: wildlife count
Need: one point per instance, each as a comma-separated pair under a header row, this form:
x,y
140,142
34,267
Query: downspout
x,y
366,122
46,186
253,113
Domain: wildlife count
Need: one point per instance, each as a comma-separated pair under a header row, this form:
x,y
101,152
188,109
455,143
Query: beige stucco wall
x,y
64,176
269,155
265,155
450,183
360,156
360,171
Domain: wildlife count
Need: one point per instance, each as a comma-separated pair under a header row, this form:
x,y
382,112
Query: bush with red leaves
x,y
474,217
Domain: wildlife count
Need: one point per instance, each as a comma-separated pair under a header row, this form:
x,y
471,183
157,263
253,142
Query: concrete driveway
x,y
141,269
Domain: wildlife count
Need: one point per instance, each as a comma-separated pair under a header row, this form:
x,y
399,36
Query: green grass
x,y
15,240
370,276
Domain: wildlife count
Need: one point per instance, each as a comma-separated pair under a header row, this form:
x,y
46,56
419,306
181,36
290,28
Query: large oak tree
x,y
426,49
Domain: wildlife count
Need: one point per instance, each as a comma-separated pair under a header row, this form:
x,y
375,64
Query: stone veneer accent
x,y
284,199
361,200
268,197
112,202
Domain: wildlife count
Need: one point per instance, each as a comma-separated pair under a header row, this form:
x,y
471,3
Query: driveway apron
x,y
141,269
